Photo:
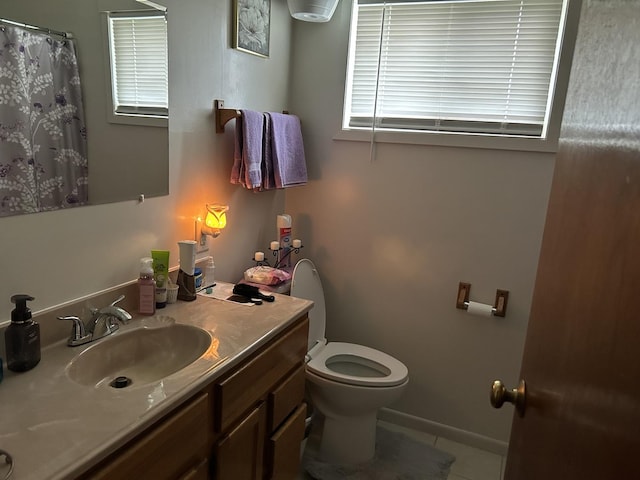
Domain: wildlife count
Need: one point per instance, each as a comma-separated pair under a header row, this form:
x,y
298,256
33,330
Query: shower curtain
x,y
43,145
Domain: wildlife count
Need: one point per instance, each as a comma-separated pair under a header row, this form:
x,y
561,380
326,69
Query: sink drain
x,y
121,382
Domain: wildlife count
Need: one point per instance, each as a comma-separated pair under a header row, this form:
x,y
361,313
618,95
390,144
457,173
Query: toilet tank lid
x,y
305,283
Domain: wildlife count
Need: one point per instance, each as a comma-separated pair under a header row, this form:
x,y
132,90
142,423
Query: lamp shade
x,y
312,10
215,220
216,216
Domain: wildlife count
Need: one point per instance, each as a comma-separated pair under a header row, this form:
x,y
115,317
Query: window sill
x,y
140,120
461,140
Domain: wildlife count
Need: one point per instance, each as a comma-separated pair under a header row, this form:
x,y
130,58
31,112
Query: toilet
x,y
347,383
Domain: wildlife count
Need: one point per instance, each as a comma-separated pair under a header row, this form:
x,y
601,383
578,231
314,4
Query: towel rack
x,y
223,115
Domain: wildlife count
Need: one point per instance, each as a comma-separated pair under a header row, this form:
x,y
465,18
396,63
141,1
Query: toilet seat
x,y
346,363
305,283
354,364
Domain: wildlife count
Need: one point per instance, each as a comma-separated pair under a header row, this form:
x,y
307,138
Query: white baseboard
x,y
441,430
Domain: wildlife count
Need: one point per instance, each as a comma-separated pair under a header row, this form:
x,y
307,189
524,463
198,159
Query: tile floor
x,y
471,463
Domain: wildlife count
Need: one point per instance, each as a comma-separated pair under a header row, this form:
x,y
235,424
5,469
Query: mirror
x,y
124,160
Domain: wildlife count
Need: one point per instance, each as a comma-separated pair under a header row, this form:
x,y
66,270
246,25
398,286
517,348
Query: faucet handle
x,y
119,299
97,311
78,336
116,312
113,311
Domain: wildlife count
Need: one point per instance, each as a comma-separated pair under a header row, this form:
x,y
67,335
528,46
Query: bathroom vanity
x,y
237,412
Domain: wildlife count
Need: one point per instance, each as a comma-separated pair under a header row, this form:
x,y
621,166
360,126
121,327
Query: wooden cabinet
x,y
246,425
284,446
258,402
261,374
168,450
285,398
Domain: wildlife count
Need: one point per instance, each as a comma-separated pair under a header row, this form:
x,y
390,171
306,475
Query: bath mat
x,y
397,457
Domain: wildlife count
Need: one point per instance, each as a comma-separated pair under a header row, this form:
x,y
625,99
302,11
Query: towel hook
x,y
223,115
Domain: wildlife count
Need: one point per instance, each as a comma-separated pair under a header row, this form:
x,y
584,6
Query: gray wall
x,y
393,236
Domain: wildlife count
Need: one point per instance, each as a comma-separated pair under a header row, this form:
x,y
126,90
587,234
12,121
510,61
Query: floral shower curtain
x,y
43,145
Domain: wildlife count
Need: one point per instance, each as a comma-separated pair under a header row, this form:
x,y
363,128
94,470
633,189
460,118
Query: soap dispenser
x,y
22,337
146,287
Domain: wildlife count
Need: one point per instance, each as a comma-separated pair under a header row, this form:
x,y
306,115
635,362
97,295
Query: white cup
x,y
172,293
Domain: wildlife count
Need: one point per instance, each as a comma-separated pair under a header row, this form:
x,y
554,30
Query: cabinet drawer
x,y
239,392
284,447
286,398
165,451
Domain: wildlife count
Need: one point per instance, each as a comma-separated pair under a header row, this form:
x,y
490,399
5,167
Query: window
x,y
475,67
138,65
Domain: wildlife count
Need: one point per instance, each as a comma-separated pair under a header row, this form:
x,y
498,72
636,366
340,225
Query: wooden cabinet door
x,y
240,454
580,362
285,398
199,472
236,394
284,447
164,452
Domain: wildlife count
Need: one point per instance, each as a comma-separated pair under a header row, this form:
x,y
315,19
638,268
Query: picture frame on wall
x,y
252,26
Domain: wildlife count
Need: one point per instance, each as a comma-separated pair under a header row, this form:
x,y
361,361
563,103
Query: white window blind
x,y
139,63
475,66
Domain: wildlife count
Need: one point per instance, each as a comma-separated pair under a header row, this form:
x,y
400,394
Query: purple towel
x,y
252,133
247,156
268,178
287,150
237,171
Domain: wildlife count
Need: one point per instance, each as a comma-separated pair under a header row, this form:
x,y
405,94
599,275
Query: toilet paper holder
x,y
499,305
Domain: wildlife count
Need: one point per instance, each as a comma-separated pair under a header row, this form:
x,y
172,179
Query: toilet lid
x,y
357,365
305,283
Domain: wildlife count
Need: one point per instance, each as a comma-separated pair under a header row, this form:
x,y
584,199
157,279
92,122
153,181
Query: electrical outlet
x,y
202,241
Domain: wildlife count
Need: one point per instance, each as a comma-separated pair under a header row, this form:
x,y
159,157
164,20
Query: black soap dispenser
x,y
22,337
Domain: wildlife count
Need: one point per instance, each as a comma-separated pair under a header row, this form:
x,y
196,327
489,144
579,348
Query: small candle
x,y
258,256
297,243
275,246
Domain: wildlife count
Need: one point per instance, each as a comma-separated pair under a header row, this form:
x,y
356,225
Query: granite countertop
x,y
55,428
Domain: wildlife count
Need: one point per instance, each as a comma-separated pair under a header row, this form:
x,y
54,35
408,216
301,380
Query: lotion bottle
x,y
22,337
284,237
147,287
210,273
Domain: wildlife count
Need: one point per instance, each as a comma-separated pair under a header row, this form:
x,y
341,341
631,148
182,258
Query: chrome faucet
x,y
104,321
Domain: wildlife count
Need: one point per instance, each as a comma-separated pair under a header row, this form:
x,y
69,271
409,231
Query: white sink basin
x,y
143,355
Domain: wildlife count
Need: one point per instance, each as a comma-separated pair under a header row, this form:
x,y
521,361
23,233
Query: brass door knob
x,y
501,394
